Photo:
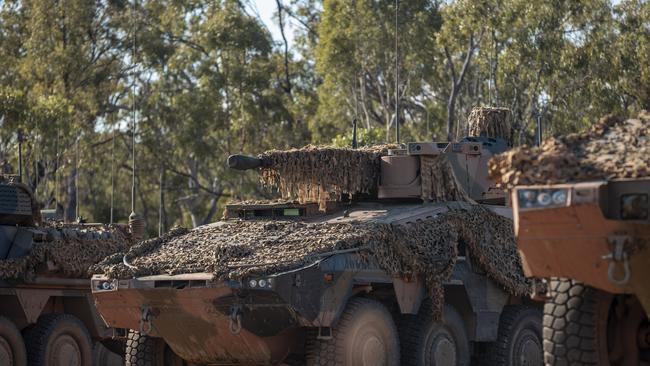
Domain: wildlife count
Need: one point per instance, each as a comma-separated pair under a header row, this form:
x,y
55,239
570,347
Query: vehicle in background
x,y
590,242
47,319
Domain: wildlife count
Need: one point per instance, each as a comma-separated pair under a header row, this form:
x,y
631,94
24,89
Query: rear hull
x,y
196,322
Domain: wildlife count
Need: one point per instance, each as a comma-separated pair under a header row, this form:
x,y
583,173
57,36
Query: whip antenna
x,y
56,171
113,177
396,71
136,223
76,180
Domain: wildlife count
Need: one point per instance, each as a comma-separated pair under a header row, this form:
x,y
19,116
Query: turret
x,y
431,171
17,205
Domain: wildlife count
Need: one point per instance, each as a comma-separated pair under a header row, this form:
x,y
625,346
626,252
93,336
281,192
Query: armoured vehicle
x,y
340,308
45,318
590,241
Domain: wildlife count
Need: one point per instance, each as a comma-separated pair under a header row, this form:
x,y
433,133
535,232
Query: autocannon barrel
x,y
244,162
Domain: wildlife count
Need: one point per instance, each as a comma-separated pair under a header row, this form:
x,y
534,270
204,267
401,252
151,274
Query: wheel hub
x,y
529,351
444,350
626,335
65,352
6,354
373,351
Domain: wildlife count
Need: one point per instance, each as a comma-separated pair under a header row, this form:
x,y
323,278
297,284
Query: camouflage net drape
x,y
439,183
428,248
66,251
320,173
490,122
613,148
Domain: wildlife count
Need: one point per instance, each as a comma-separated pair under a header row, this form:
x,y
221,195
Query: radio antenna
x,y
136,223
113,178
397,70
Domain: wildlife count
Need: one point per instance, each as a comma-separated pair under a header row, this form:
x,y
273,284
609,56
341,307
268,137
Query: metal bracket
x,y
324,333
616,256
235,319
146,320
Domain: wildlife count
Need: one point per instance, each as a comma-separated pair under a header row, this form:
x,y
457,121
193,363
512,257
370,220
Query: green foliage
x,y
356,58
210,81
366,137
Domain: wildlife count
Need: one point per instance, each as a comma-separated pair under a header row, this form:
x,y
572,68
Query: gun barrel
x,y
243,162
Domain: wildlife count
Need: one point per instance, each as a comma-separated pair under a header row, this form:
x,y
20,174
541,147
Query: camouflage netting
x,y
237,249
613,148
319,174
66,251
490,121
439,183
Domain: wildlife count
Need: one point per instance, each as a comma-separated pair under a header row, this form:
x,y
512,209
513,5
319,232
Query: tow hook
x,y
146,321
235,319
617,256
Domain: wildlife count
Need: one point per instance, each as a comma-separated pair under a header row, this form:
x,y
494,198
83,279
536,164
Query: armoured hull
x,y
205,322
259,320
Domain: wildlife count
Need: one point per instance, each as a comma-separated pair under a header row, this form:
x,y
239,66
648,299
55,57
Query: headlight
x,y
527,197
106,285
559,197
542,198
634,207
263,283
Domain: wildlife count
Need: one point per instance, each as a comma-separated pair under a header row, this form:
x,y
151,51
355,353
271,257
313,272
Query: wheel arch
x,y
25,306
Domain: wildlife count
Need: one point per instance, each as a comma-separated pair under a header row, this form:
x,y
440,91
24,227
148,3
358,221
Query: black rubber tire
x,y
419,334
143,350
103,356
57,336
519,341
575,323
12,346
363,320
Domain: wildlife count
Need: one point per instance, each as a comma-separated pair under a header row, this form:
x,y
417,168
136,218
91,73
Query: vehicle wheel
x,y
12,347
364,336
585,326
426,342
58,340
102,356
519,341
143,350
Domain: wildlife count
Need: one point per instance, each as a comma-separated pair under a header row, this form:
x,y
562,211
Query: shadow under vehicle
x,y
342,308
45,318
590,241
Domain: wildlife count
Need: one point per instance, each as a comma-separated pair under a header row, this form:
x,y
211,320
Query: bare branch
x,y
287,79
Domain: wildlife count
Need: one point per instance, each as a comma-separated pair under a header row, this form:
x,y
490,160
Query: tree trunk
x,y
456,83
